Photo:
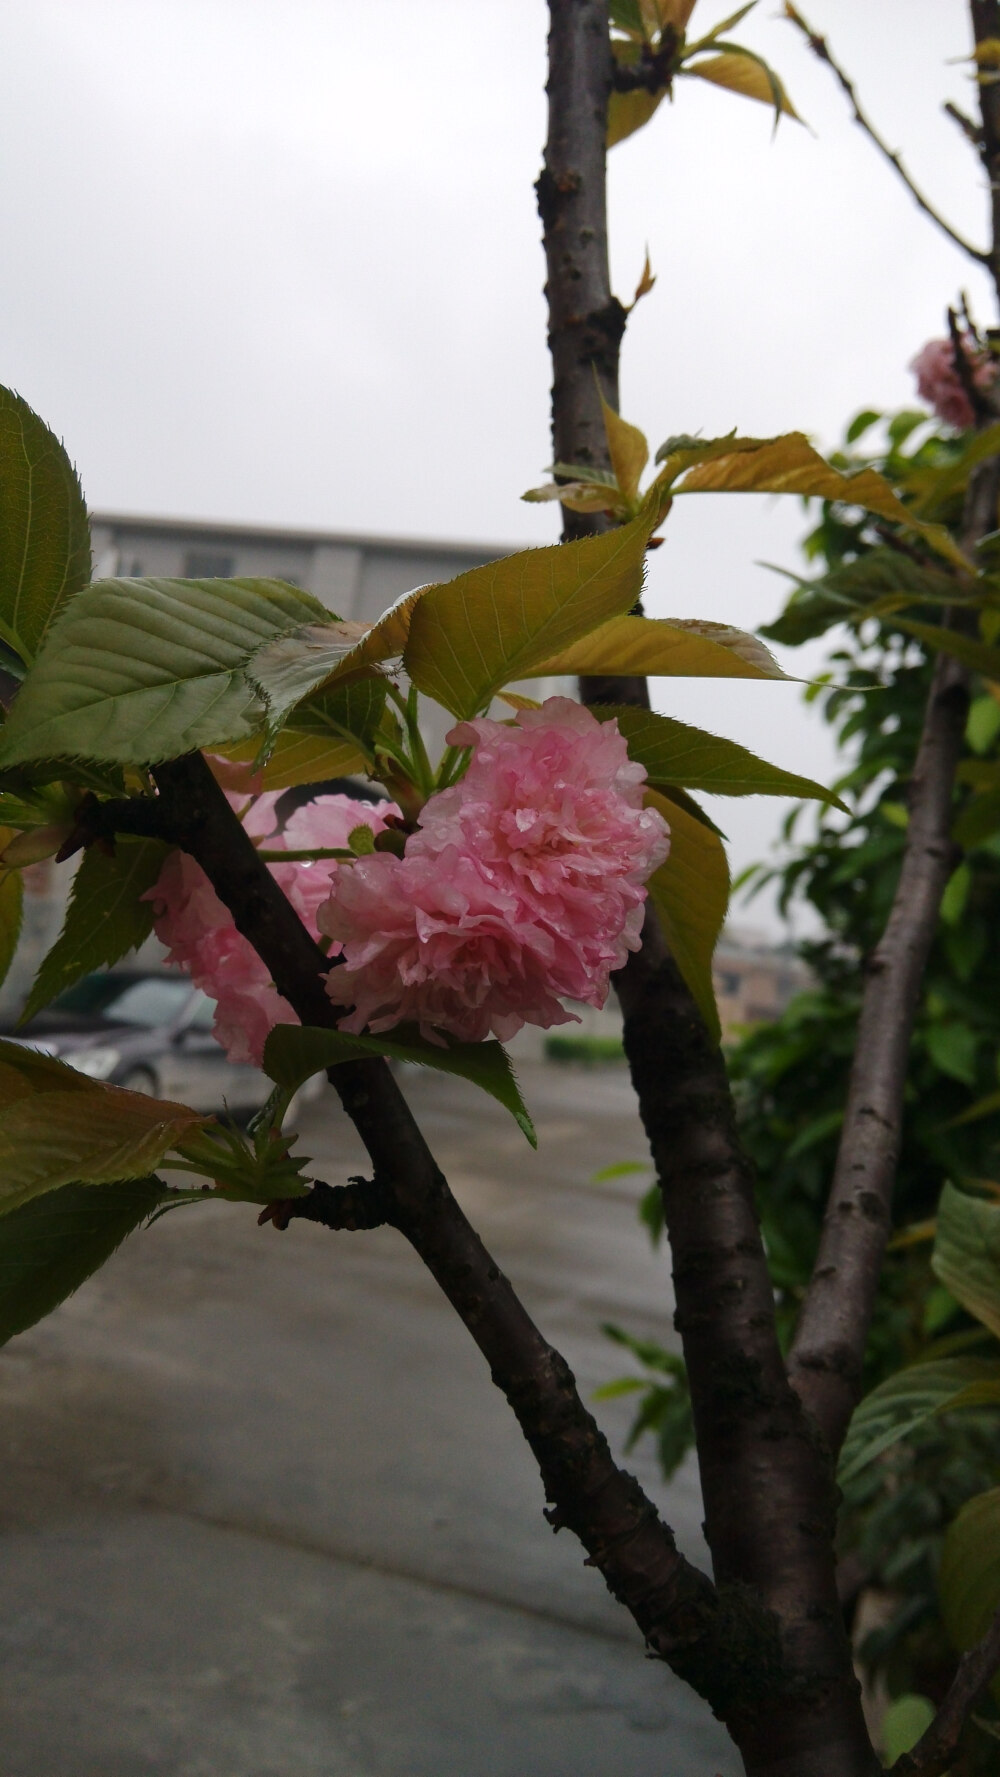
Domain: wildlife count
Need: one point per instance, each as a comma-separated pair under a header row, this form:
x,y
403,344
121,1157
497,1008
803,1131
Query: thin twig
x,y
820,48
934,1753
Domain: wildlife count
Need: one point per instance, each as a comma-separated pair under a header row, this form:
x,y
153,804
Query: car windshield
x,y
146,1001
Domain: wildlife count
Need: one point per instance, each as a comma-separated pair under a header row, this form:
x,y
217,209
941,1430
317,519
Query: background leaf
x,y
11,898
969,1576
904,1401
44,530
294,1053
51,1245
967,1253
328,735
691,895
105,917
495,623
137,671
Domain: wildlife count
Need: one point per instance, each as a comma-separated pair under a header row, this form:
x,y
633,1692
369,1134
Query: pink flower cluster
x,y
523,885
199,933
939,384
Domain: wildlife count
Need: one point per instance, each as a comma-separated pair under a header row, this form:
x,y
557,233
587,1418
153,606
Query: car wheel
x,y
139,1079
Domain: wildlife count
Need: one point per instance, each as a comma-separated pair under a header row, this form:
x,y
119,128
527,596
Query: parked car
x,y
151,1032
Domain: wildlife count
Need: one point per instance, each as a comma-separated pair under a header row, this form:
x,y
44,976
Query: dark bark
x,y
722,1641
767,1485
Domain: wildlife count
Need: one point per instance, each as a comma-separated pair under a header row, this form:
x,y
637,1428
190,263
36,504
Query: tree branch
x,y
935,1751
820,48
767,1487
722,1644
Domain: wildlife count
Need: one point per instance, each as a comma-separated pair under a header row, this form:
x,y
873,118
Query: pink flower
x,y
522,886
199,933
939,384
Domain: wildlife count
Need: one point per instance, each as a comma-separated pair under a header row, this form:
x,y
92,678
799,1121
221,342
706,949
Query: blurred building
x,y
754,978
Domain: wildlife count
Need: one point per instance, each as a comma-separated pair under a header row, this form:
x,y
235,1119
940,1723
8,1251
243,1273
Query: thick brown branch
x,y
768,1489
833,1325
820,48
934,1753
724,1645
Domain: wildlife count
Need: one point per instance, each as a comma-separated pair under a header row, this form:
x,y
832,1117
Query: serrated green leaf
x,y
288,668
52,1244
690,892
105,917
60,1128
675,753
969,1575
293,1053
668,647
967,1253
907,1400
44,530
873,579
136,671
496,623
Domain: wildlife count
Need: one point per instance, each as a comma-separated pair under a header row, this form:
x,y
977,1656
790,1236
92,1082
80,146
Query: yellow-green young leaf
x,y
969,1575
52,1244
136,671
294,1053
676,753
105,918
471,636
691,895
907,1400
10,908
627,449
627,112
790,465
905,1720
744,73
60,1128
669,647
385,640
44,531
967,1253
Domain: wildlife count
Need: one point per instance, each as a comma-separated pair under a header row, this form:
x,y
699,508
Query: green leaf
x,y
977,655
671,647
105,917
10,909
690,892
627,449
51,1245
291,666
967,1253
675,753
136,671
293,1053
969,1575
983,1107
59,1127
328,735
954,1048
880,578
904,1721
906,1400
496,623
44,531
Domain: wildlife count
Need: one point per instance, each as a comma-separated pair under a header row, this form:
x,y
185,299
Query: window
x,y
207,564
728,981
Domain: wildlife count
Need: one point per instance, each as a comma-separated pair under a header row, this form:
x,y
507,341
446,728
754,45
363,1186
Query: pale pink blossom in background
x,y
198,930
523,885
939,384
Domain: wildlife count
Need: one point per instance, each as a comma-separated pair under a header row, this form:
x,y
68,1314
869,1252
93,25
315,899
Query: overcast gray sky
x,y
278,260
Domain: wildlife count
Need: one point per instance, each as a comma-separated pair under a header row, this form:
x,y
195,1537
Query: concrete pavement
x,y
264,1514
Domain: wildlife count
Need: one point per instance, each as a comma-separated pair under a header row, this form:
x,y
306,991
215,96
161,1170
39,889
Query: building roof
x,y
223,528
